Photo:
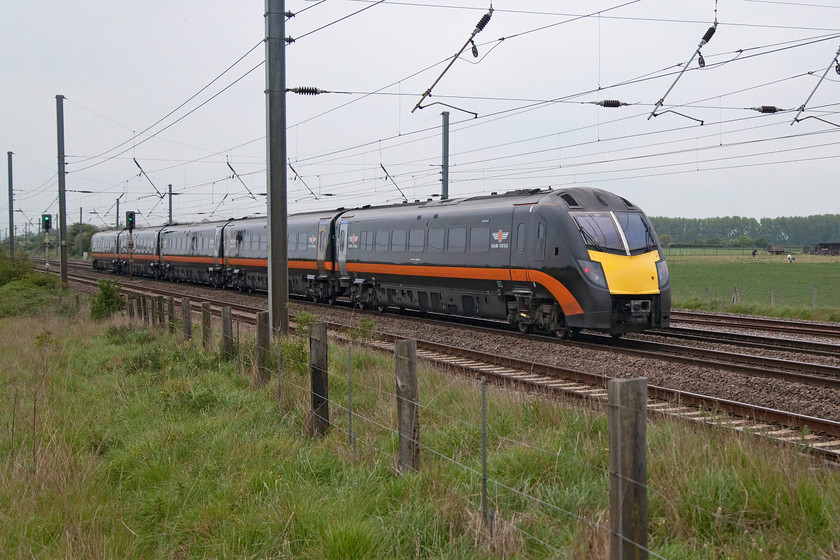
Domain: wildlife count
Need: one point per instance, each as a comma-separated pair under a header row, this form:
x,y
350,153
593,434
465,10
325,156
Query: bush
x,y
108,301
13,269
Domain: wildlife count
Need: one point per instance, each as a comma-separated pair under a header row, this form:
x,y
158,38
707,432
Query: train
x,y
555,261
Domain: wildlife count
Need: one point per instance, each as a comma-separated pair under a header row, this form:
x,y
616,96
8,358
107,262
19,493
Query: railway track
x,y
756,323
820,437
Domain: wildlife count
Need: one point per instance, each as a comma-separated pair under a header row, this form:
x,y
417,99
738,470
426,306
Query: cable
x,y
179,119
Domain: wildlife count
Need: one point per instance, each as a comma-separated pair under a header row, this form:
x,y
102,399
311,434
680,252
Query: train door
x,y
343,240
218,252
323,245
520,246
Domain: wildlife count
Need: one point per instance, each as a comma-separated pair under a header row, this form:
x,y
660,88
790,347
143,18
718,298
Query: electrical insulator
x,y
837,68
46,222
610,103
482,23
474,49
129,220
307,90
701,61
769,109
709,33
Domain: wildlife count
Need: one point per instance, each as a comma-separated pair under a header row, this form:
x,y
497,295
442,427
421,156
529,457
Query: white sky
x,y
124,66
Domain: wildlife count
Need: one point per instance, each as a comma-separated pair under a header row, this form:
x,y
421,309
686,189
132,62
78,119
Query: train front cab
x,y
629,283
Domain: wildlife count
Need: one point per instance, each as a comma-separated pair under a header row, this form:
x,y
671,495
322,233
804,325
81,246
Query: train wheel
x,y
524,328
382,308
563,334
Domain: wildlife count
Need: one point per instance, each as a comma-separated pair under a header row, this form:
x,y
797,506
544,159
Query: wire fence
x,y
455,448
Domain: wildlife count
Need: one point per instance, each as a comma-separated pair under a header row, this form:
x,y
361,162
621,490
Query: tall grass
x,y
122,442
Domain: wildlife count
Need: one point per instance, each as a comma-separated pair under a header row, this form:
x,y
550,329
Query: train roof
x,y
573,198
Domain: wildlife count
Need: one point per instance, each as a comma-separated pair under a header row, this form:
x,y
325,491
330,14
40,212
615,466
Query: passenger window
x,y
301,242
479,239
322,241
292,242
436,236
416,240
520,238
457,240
398,241
382,240
540,250
341,241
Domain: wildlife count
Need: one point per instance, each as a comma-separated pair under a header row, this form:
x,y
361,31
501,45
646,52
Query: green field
x,y
709,282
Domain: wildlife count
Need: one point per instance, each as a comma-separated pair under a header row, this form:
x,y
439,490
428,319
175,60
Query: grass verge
x,y
122,442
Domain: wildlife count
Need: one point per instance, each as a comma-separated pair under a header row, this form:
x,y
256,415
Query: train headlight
x,y
662,271
594,272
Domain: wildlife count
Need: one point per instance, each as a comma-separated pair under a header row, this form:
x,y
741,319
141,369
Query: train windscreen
x,y
600,231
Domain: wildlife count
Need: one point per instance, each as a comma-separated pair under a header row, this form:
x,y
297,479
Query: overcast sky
x,y
146,81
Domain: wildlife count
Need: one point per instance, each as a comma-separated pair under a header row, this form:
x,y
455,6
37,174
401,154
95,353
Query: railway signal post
x,y
129,224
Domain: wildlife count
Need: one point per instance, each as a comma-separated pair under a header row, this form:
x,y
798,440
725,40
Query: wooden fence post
x,y
227,332
170,311
131,306
186,317
405,355
773,296
815,297
159,302
263,349
206,326
319,420
153,311
627,420
144,309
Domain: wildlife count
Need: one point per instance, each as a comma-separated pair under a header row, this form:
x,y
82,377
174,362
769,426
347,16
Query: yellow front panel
x,y
629,275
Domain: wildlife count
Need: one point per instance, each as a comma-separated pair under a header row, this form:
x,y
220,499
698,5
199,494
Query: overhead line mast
x,y
275,78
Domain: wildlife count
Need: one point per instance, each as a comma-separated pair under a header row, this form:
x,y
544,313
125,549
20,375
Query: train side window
x,y
341,241
292,242
322,241
382,240
479,239
398,241
520,238
457,242
540,249
436,237
301,242
416,240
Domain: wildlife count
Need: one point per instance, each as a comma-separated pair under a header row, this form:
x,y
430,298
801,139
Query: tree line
x,y
748,232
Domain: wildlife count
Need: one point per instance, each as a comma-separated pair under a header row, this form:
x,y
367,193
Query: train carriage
x,y
555,260
246,254
193,253
104,250
144,257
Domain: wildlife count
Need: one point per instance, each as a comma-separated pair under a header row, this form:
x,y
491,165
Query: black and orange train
x,y
551,260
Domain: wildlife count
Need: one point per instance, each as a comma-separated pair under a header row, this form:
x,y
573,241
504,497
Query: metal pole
x,y
170,204
275,77
80,232
118,213
444,187
11,209
62,207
